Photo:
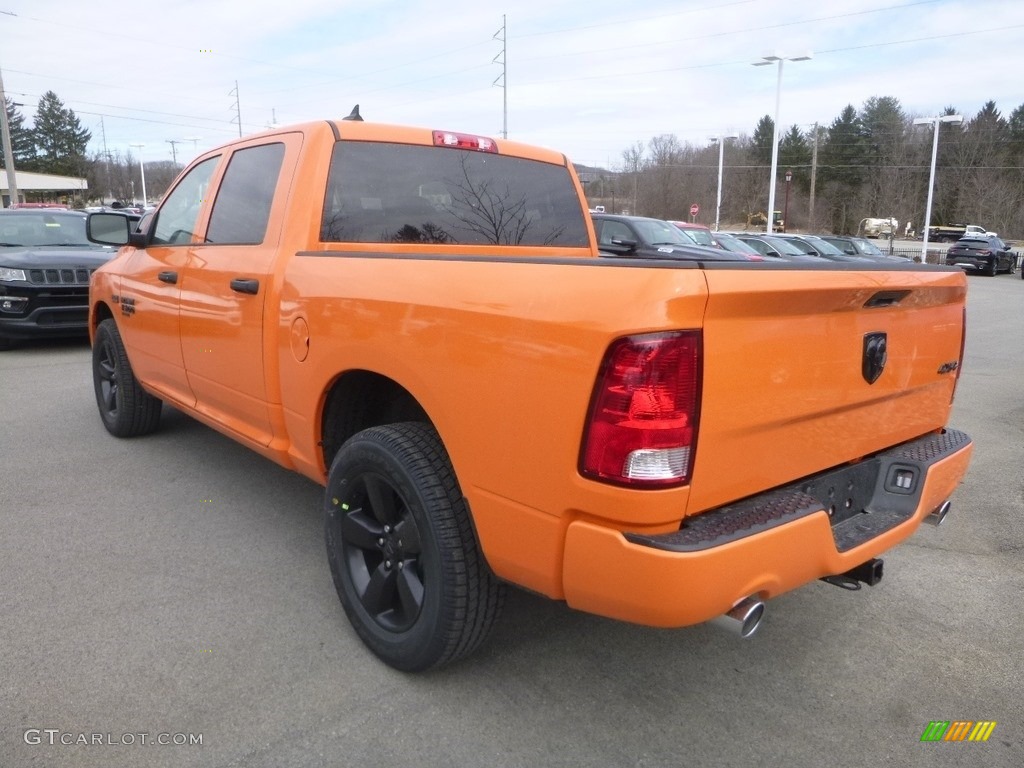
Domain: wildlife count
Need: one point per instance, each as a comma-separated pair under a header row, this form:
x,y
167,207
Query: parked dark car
x,y
46,261
815,246
982,253
775,248
729,242
639,236
855,246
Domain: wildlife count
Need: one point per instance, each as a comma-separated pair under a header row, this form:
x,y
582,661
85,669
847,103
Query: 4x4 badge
x,y
875,354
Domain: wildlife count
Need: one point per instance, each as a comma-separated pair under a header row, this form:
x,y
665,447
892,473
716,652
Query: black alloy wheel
x,y
126,409
380,544
402,550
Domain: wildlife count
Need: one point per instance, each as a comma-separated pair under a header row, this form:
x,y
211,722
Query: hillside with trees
x,y
867,162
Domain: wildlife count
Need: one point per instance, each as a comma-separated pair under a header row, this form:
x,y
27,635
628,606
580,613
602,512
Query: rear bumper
x,y
765,545
967,262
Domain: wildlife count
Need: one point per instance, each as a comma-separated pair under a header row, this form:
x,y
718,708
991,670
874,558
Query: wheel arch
x,y
100,311
359,399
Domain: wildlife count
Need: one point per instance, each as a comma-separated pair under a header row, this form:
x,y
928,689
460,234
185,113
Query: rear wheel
x,y
126,409
992,268
402,550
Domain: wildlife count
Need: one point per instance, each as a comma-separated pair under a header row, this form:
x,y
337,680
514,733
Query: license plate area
x,y
847,492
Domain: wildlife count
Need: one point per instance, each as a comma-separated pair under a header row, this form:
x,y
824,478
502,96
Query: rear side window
x,y
400,193
242,208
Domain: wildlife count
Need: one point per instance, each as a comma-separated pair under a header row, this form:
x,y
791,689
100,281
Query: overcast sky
x,y
585,78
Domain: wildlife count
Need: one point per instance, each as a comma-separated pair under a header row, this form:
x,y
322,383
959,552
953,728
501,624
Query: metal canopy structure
x,y
42,182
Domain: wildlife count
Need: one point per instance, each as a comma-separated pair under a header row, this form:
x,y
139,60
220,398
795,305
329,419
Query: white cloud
x,y
587,79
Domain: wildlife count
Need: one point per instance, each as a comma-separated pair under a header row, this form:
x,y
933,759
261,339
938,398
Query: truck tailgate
x,y
788,358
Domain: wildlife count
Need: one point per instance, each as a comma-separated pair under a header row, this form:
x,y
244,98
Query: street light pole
x,y
785,208
765,61
934,122
721,158
142,170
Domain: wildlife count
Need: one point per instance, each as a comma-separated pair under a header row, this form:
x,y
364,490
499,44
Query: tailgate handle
x,y
886,299
168,277
244,285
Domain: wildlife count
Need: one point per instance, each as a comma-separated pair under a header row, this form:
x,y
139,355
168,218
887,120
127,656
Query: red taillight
x,y
642,427
464,141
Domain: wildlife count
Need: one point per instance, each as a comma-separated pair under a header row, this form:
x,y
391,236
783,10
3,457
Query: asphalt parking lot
x,y
176,586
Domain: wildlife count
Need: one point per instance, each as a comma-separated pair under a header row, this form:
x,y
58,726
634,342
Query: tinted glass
x,y
400,193
784,246
825,247
730,243
699,236
613,230
42,229
657,232
176,219
242,207
866,247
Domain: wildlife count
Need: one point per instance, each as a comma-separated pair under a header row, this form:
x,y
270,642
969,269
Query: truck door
x,y
226,283
151,287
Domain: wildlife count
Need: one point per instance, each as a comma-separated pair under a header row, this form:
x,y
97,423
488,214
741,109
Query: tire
x,y
403,554
126,409
992,268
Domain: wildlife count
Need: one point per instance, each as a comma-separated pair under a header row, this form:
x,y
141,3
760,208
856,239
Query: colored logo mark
x,y
958,730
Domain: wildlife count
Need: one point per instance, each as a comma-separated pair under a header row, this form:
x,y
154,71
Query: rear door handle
x,y
244,285
168,277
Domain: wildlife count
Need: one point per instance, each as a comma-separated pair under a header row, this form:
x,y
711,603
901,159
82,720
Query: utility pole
x,y
503,77
106,164
238,107
814,175
174,149
5,130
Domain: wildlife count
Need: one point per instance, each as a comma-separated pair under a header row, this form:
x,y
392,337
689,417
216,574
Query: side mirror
x,y
108,228
620,245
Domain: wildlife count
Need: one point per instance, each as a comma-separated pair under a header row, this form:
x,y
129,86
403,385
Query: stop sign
x,y
694,209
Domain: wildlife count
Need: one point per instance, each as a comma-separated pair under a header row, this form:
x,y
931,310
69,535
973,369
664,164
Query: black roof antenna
x,y
354,114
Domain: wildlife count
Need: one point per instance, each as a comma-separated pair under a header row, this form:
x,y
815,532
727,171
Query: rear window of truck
x,y
400,193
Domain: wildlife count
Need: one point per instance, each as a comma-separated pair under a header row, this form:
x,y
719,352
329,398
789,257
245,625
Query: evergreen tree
x,y
22,144
761,142
890,187
60,139
843,169
795,155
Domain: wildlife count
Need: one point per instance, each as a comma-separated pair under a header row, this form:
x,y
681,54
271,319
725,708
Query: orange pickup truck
x,y
422,322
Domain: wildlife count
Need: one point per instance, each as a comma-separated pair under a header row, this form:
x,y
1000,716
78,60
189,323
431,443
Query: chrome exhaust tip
x,y
743,618
939,514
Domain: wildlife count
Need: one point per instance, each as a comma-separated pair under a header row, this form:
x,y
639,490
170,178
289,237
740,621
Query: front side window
x,y
400,193
176,219
242,208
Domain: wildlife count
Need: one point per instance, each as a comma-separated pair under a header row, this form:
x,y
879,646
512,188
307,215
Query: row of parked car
x,y
620,235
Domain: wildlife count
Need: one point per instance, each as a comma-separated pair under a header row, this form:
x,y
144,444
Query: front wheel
x,y
126,409
403,554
